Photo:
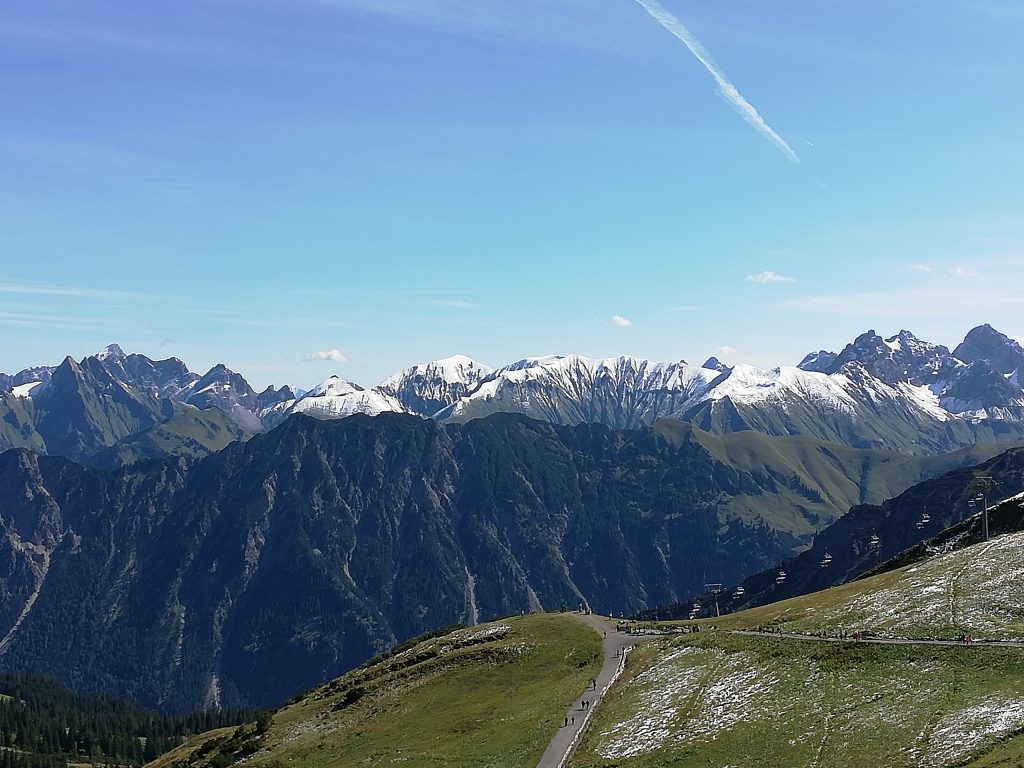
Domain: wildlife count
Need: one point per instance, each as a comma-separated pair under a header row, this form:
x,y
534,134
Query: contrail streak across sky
x,y
725,88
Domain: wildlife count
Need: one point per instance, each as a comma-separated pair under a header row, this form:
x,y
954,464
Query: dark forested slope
x,y
276,564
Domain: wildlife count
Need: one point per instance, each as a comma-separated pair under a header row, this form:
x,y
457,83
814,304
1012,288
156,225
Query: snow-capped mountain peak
x,y
714,364
900,358
429,387
111,350
336,398
334,386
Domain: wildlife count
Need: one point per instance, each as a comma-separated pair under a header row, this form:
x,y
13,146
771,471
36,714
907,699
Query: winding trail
x,y
615,645
881,640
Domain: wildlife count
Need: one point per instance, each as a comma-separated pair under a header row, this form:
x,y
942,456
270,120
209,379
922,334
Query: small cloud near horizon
x,y
959,271
726,350
334,355
769,277
955,270
621,322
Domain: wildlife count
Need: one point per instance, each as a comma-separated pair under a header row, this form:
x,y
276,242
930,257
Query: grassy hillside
x,y
717,699
977,590
492,695
815,482
189,432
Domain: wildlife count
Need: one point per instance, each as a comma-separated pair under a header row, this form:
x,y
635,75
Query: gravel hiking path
x,y
615,645
881,640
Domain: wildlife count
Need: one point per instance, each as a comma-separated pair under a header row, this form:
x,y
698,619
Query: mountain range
x,y
901,394
279,562
179,549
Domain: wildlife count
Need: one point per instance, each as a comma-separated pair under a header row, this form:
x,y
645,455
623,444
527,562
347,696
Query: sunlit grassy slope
x,y
716,698
719,699
493,695
978,590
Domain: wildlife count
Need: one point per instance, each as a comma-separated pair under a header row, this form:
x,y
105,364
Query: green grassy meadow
x,y
719,699
492,695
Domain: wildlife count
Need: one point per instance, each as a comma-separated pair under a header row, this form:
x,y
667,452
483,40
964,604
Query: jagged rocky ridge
x,y
278,563
115,408
899,393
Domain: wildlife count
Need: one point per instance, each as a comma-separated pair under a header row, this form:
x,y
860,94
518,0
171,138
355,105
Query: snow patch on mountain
x,y
623,392
111,350
925,399
428,387
26,390
752,386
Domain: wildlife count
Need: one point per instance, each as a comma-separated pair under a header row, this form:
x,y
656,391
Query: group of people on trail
x,y
966,639
584,703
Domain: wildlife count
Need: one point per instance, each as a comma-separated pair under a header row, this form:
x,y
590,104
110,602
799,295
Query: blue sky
x,y
398,180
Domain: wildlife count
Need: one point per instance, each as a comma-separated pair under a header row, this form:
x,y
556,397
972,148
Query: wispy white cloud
x,y
99,36
946,270
62,322
105,163
621,322
334,355
727,90
973,299
769,277
684,308
726,350
566,23
958,271
41,289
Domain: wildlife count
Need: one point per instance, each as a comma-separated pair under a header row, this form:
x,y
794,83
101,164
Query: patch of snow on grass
x,y
959,734
660,690
735,697
474,636
691,694
978,590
